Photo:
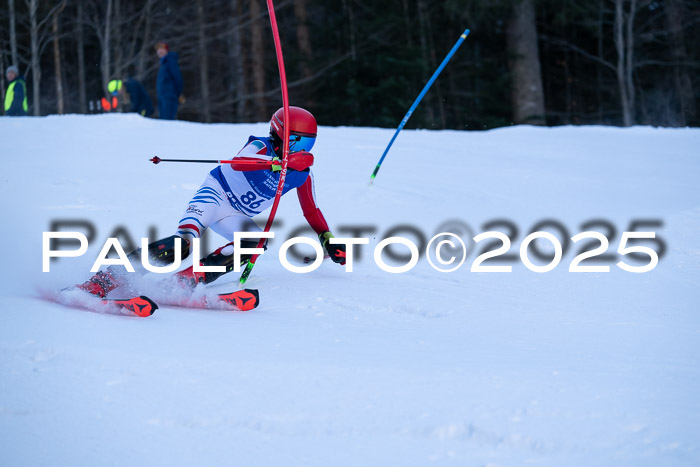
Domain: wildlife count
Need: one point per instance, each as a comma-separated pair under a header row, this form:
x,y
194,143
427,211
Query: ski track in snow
x,y
362,368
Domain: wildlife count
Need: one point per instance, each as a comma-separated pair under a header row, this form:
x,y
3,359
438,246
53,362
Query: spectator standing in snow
x,y
16,96
169,83
133,92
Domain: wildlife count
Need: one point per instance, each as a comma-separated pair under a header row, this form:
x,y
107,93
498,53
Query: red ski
x,y
141,306
242,300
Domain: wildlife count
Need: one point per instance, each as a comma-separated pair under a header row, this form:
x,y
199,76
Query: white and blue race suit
x,y
228,199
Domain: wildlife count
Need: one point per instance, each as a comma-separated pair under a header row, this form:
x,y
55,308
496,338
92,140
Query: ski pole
x,y
418,99
241,165
285,151
158,160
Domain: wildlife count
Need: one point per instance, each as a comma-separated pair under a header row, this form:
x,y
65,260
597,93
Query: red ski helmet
x,y
302,129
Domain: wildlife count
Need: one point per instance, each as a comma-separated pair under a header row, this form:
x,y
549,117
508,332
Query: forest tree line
x,y
362,63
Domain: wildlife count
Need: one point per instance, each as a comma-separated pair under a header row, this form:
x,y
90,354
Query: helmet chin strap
x,y
276,143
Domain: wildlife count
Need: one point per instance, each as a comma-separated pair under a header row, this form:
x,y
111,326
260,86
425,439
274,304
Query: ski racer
x,y
228,200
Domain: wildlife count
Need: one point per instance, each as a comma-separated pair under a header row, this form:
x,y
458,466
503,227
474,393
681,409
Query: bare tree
x,y
303,36
118,42
145,41
600,51
38,39
106,62
3,54
619,38
2,74
238,83
408,38
80,44
13,32
626,38
437,99
57,60
687,111
257,53
425,53
99,20
524,62
36,67
203,62
349,11
624,45
304,42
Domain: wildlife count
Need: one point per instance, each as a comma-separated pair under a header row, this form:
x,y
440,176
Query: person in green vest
x,y
16,96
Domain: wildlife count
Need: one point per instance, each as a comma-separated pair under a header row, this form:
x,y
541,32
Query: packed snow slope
x,y
364,367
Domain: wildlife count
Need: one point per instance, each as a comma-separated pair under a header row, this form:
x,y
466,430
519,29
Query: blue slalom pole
x,y
418,99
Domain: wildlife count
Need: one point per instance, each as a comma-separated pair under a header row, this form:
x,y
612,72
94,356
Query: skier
x,y
228,199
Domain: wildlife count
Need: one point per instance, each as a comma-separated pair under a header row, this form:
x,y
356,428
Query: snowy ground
x,y
361,368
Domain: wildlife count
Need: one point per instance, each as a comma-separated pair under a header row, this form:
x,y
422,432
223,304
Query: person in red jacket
x,y
231,196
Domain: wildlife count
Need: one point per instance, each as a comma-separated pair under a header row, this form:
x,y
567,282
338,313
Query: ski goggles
x,y
301,143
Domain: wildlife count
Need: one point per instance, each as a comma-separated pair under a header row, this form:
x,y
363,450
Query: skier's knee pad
x,y
224,257
162,252
245,243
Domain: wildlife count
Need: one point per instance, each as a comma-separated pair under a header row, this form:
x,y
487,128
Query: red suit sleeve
x,y
312,213
297,161
249,164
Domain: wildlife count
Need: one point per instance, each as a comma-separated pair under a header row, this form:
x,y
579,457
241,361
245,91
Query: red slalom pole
x,y
285,145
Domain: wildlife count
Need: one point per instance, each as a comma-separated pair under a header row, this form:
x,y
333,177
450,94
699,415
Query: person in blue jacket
x,y
169,83
139,98
16,96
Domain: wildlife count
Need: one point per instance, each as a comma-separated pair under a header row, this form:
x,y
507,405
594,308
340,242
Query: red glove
x,y
299,161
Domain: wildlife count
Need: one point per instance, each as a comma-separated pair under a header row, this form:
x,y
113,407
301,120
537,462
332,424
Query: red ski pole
x,y
285,144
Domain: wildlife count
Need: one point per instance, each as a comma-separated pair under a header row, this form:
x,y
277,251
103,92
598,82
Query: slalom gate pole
x,y
285,144
418,99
